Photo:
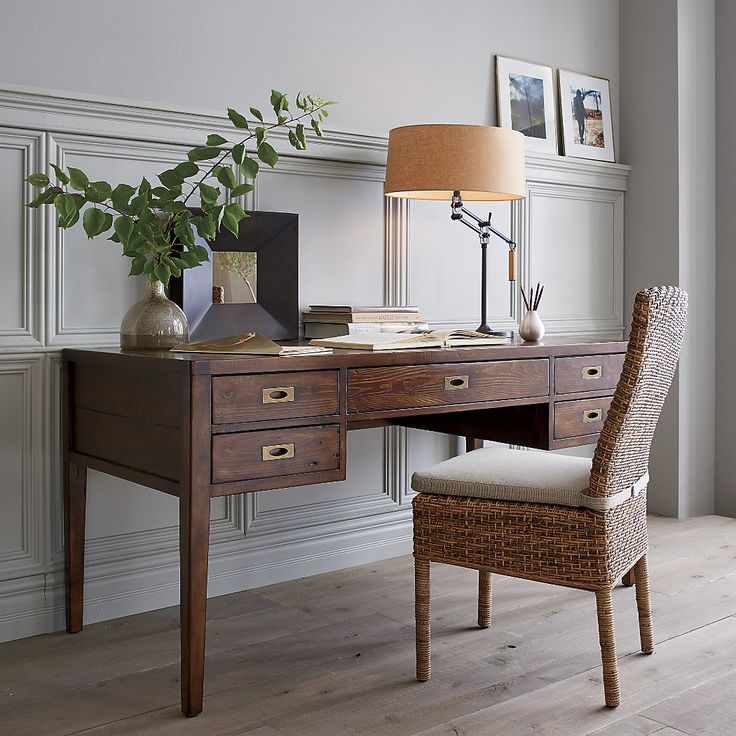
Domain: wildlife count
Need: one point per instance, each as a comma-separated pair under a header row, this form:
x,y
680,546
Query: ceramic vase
x,y
154,323
531,328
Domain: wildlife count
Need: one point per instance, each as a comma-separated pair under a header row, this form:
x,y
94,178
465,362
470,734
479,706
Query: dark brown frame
x,y
274,236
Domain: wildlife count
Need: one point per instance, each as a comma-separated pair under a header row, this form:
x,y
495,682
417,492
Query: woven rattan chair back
x,y
658,326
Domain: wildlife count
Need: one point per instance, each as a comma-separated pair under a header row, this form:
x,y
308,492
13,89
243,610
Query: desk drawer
x,y
578,418
274,452
587,373
274,396
411,387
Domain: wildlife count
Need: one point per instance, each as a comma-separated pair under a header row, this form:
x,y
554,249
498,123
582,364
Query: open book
x,y
249,344
404,341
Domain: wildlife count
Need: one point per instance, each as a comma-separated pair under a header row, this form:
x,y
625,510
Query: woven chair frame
x,y
574,547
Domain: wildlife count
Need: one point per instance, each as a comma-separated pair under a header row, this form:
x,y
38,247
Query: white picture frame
x,y
585,109
526,102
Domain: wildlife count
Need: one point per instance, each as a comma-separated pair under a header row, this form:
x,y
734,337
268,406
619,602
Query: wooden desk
x,y
198,426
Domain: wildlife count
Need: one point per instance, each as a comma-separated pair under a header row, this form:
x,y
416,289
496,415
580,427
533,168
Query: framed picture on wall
x,y
526,102
585,108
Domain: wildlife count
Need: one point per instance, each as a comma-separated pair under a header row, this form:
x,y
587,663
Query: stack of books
x,y
334,320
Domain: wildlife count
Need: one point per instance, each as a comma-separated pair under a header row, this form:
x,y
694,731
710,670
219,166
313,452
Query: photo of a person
x,y
578,112
588,117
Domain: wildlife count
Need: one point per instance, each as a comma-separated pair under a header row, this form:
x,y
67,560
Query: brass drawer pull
x,y
278,394
592,371
453,383
278,452
592,415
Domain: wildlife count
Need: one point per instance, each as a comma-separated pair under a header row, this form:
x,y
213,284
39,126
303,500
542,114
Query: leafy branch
x,y
153,223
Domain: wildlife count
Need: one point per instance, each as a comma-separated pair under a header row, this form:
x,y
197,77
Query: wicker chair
x,y
554,518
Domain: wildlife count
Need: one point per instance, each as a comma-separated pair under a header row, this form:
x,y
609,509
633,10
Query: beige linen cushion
x,y
509,475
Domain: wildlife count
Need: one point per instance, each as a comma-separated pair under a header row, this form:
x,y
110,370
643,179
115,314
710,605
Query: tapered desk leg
x,y
472,443
194,520
75,501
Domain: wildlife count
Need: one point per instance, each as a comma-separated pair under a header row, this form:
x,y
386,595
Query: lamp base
x,y
486,330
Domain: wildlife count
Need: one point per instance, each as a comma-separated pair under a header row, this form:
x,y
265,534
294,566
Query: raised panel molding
x,y
609,323
26,334
137,571
30,557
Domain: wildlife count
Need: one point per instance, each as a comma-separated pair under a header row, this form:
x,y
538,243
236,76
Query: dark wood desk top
x,y
214,364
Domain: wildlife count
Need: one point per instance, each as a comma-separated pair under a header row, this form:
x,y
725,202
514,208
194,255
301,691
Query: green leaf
x,y
98,191
260,135
162,273
294,140
213,139
203,153
38,180
201,253
236,119
226,177
233,215
238,153
208,194
78,179
267,154
121,196
256,113
60,175
183,231
66,207
301,135
172,178
94,222
277,101
317,128
249,168
144,187
136,267
124,227
138,204
241,189
45,197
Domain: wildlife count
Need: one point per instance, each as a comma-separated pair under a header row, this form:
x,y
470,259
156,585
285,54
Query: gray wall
x,y
668,137
725,257
388,63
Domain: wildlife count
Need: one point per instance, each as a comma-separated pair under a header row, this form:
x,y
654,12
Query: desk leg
x,y
75,501
194,531
471,443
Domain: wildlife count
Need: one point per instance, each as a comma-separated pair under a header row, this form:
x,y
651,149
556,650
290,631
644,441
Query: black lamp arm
x,y
484,229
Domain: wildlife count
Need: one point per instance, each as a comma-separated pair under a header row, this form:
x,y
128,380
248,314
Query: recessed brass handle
x,y
278,394
278,452
592,371
592,415
453,383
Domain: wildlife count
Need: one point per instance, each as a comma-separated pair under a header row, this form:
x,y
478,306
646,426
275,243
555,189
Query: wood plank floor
x,y
333,655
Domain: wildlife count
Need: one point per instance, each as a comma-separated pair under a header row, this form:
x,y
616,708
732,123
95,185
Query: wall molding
x,y
251,545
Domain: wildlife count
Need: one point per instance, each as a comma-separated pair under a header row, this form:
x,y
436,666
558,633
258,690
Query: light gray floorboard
x,y
333,655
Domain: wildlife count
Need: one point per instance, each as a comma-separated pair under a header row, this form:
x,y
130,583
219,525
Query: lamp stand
x,y
484,230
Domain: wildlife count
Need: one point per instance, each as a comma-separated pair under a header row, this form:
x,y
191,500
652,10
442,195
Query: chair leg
x,y
608,648
629,578
422,614
644,606
484,599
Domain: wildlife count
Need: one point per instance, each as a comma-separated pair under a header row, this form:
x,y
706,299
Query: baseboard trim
x,y
30,607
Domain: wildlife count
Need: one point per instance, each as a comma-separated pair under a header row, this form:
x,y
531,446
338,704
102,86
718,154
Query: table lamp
x,y
476,163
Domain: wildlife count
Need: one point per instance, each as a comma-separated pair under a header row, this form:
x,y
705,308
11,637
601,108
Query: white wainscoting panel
x,y
20,156
61,290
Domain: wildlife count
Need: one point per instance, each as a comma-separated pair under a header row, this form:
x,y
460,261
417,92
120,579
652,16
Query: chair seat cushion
x,y
509,475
